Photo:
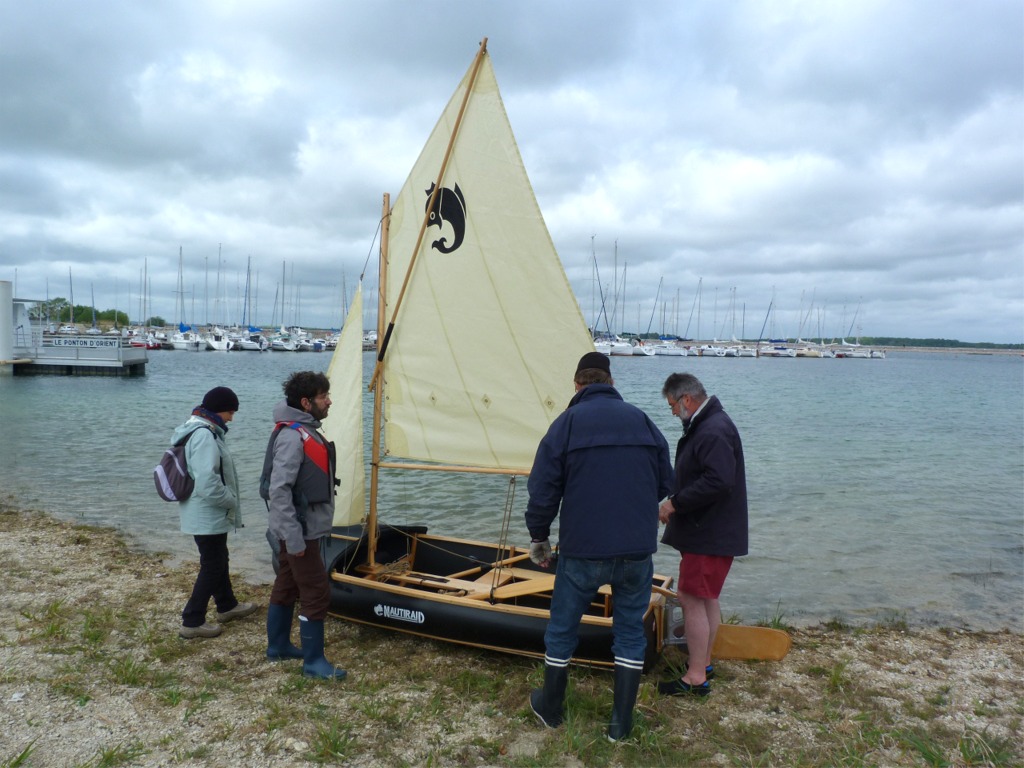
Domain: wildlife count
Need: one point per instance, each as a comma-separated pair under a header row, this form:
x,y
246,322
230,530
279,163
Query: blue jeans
x,y
576,583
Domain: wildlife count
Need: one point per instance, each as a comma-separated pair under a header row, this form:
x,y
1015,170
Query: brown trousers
x,y
304,579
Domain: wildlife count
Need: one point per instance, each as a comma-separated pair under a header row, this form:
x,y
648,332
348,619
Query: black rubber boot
x,y
627,683
279,632
311,633
547,702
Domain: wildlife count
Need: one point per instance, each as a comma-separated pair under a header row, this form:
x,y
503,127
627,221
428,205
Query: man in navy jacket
x,y
706,518
604,466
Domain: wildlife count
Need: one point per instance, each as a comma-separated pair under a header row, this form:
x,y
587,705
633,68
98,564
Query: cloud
x,y
865,154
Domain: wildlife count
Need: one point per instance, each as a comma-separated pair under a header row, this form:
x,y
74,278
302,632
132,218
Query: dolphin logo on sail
x,y
449,208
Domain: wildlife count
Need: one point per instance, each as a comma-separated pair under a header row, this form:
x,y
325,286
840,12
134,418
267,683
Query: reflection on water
x,y
872,494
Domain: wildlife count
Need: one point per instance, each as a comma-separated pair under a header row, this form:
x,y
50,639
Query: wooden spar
x,y
386,338
378,392
453,468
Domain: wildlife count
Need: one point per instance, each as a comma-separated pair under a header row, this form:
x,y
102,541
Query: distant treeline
x,y
885,341
878,341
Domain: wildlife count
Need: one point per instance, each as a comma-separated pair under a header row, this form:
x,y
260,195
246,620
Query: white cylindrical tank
x,y
6,326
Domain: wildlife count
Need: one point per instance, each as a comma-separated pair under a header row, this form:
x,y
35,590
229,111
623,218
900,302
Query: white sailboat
x,y
185,338
466,380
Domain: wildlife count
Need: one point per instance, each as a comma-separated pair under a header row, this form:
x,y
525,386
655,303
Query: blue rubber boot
x,y
279,630
311,633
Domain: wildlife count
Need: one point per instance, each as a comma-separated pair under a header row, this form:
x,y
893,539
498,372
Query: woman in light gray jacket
x,y
210,512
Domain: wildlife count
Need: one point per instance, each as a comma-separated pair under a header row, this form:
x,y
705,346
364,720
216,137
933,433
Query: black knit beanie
x,y
220,399
594,360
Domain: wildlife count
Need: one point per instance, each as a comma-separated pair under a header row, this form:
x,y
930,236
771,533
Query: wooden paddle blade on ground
x,y
741,642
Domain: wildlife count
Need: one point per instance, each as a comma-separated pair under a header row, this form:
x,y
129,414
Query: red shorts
x,y
703,575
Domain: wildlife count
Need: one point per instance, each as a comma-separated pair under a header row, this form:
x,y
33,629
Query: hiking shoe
x,y
203,630
240,610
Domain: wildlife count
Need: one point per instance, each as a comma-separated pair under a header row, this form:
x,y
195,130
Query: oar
x,y
743,642
495,564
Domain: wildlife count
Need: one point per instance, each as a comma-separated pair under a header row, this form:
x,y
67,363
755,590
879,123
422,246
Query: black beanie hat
x,y
594,360
220,399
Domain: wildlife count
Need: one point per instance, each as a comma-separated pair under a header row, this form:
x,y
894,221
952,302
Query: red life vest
x,y
315,482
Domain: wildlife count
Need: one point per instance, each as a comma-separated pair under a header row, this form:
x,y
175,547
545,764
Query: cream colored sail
x,y
488,333
344,422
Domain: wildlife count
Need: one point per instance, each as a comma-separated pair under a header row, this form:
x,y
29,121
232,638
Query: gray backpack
x,y
173,482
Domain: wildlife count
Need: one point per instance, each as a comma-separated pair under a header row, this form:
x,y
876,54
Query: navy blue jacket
x,y
607,466
710,493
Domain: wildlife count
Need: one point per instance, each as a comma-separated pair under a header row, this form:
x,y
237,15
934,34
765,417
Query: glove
x,y
540,552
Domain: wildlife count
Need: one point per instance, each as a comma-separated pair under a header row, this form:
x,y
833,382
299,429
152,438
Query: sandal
x,y
680,688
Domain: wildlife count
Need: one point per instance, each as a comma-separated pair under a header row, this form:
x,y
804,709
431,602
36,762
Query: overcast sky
x,y
862,162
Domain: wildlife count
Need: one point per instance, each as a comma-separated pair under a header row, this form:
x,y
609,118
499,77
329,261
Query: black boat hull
x,y
513,626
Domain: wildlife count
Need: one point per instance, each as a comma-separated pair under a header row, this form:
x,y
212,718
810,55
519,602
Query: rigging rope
x,y
506,521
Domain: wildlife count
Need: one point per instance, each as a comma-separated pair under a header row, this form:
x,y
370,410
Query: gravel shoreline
x,y
93,673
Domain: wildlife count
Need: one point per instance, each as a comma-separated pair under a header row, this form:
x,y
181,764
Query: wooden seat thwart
x,y
530,582
442,583
536,582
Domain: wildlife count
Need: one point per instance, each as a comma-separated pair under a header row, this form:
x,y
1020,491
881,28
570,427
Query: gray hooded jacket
x,y
289,455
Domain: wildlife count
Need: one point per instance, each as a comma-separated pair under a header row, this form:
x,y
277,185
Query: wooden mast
x,y
378,391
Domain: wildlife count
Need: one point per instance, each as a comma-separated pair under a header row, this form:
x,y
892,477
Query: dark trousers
x,y
213,580
304,579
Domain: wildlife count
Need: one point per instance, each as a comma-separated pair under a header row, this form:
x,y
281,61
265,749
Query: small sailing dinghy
x,y
480,334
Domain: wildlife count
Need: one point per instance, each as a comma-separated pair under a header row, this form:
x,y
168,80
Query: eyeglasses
x,y
673,404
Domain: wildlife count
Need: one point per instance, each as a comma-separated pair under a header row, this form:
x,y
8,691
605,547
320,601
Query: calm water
x,y
878,489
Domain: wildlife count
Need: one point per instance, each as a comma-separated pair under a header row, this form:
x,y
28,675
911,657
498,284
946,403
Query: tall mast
x,y
378,390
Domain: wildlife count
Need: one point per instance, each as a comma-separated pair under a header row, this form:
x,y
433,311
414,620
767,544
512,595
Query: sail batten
x,y
482,355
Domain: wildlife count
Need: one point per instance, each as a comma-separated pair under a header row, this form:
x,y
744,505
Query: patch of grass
x,y
70,681
375,708
276,714
836,624
896,621
214,666
20,758
930,750
120,754
295,684
161,645
940,697
980,749
55,632
333,741
171,695
8,674
184,755
777,620
837,681
96,627
130,671
197,703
